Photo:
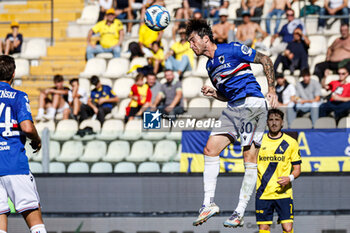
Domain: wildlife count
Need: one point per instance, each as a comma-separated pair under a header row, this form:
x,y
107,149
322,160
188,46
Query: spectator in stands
x,y
254,7
170,98
180,57
54,99
147,37
339,101
154,85
158,58
287,32
104,6
76,97
13,41
197,15
221,29
295,56
311,9
307,99
212,8
337,52
247,32
135,50
276,9
333,7
184,12
102,100
140,96
111,33
124,11
285,91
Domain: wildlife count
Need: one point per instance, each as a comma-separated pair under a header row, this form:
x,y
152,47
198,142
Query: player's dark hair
x,y
73,80
275,111
94,80
7,67
305,72
58,78
201,27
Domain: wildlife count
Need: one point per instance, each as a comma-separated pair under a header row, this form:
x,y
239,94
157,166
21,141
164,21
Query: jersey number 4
x,y
7,124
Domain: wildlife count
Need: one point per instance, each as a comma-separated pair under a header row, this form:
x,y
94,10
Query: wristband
x,y
291,177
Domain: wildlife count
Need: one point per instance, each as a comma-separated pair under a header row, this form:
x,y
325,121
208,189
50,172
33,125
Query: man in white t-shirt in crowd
x,y
285,93
308,98
76,97
332,8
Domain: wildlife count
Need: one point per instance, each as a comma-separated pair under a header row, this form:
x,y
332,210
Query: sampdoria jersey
x,y
229,71
14,108
276,158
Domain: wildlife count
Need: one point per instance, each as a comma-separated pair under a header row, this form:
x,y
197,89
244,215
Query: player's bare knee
x,y
210,151
288,229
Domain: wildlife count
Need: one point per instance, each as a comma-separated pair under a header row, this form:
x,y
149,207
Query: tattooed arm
x,y
266,62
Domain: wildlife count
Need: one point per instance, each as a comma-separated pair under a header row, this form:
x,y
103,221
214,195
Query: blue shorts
x,y
265,208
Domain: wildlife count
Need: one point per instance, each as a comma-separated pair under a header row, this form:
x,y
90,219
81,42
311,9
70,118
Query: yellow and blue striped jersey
x,y
276,158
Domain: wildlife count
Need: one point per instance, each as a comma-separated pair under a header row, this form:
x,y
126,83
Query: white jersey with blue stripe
x,y
229,71
14,108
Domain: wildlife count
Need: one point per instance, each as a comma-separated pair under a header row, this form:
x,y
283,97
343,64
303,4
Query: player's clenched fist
x,y
208,91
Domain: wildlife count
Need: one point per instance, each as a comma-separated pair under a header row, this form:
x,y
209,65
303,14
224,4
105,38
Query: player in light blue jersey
x,y
16,181
229,70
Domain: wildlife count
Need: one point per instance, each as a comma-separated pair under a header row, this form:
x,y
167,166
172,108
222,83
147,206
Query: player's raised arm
x,y
29,130
266,62
209,91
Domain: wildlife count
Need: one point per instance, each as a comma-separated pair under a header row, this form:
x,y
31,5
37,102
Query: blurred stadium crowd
x,y
108,68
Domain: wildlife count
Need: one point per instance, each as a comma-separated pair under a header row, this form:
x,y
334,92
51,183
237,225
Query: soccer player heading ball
x,y
16,124
245,116
279,154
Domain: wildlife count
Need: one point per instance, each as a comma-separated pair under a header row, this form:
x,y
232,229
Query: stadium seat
x,y
125,167
201,68
106,81
198,107
331,40
40,126
208,83
111,130
35,49
22,67
120,112
84,83
122,87
344,123
148,167
175,134
54,151
57,167
117,151
177,157
263,84
257,69
171,167
325,123
35,167
140,151
157,134
132,130
94,124
311,25
117,67
317,45
78,167
101,167
291,79
94,151
191,87
89,15
330,78
139,61
71,151
29,150
164,151
217,107
65,130
105,55
317,59
94,66
301,123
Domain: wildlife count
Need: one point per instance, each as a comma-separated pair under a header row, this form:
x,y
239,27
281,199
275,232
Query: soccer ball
x,y
157,17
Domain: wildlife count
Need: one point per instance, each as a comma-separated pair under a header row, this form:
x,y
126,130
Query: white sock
x,y
1,231
248,186
40,228
40,111
210,175
51,112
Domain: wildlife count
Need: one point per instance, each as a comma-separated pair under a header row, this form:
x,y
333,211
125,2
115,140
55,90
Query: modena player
x,y
278,165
